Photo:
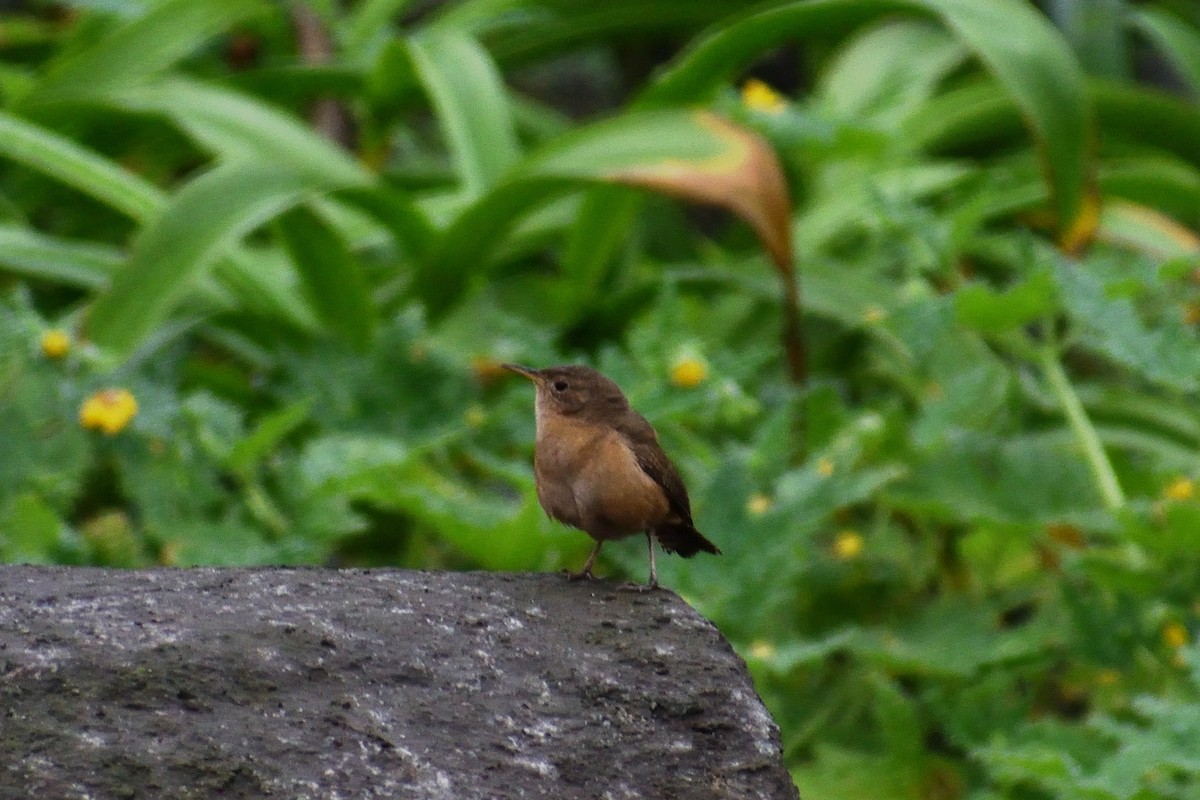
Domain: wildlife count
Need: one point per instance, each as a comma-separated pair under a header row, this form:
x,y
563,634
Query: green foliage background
x,y
961,557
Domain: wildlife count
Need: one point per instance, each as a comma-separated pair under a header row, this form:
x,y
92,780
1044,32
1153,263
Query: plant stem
x,y
1085,432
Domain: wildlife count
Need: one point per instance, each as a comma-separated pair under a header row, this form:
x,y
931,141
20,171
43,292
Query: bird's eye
x,y
560,386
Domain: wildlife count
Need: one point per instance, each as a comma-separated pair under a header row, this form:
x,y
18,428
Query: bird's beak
x,y
532,374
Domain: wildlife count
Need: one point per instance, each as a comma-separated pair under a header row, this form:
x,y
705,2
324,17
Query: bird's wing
x,y
654,462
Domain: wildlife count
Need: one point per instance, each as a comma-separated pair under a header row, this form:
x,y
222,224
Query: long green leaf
x,y
45,151
686,154
1036,67
83,265
1177,40
334,280
471,103
147,45
889,68
1031,60
236,126
1147,118
175,250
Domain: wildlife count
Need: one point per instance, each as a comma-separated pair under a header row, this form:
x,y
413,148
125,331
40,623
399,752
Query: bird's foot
x,y
581,575
638,587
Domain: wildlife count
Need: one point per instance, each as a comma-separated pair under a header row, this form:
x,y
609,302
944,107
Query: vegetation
x,y
259,264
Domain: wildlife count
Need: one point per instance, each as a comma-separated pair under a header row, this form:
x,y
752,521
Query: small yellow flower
x,y
1180,489
689,372
55,343
848,545
761,97
874,314
825,467
109,410
758,504
761,649
1174,635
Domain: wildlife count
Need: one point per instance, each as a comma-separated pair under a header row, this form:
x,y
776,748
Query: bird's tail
x,y
684,539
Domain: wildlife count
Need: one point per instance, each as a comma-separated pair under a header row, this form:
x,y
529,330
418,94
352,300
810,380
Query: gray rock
x,y
358,684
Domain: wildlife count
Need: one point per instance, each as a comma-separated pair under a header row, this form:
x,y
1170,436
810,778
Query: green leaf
x,y
1031,61
600,232
984,309
1177,40
1147,231
1146,118
62,159
1167,354
367,25
694,155
142,47
29,530
471,103
334,281
84,265
234,126
1022,480
390,207
171,253
889,68
267,435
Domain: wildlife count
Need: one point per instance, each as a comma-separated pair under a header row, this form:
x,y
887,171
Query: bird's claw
x,y
581,575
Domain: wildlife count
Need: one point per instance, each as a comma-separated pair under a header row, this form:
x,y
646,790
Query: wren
x,y
598,466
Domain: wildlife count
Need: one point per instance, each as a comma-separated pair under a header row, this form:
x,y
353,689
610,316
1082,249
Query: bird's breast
x,y
587,476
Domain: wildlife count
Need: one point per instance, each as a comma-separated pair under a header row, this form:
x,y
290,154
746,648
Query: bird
x,y
598,466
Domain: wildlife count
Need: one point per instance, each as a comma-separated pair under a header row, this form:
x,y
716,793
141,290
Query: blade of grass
x,y
236,126
83,265
175,250
334,281
144,46
45,151
1175,39
471,103
1031,60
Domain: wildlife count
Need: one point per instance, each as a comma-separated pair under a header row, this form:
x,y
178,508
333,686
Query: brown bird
x,y
598,466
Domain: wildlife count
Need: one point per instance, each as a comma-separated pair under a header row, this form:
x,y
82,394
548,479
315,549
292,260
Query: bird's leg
x,y
586,572
653,583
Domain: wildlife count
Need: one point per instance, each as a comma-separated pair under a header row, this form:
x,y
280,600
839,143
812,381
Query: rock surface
x,y
359,684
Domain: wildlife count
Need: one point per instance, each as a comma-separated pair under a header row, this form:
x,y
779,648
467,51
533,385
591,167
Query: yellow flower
x,y
761,649
825,467
848,545
758,504
761,97
689,372
1180,489
1174,635
109,410
55,343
